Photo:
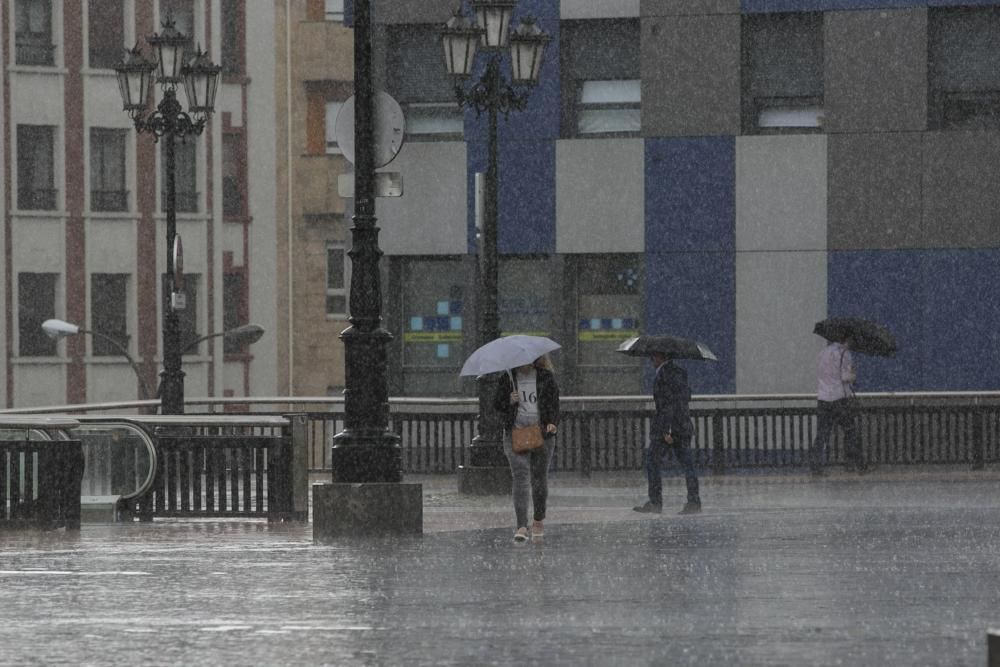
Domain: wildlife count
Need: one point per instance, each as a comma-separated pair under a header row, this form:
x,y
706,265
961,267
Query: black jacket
x,y
671,394
548,399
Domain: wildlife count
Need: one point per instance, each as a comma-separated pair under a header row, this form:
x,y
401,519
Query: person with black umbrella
x,y
834,392
670,430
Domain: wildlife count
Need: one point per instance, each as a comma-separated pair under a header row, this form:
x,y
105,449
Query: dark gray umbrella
x,y
672,346
867,337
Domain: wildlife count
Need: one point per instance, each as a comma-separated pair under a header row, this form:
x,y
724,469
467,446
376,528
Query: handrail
x,y
89,422
471,403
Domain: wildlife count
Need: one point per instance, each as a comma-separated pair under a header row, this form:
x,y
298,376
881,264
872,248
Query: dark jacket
x,y
548,399
671,394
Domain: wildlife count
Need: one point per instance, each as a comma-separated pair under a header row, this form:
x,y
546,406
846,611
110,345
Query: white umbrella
x,y
508,352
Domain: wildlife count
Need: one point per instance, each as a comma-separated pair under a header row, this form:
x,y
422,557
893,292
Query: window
x,y
234,183
433,304
524,305
336,281
609,307
233,40
332,109
33,33
106,32
601,85
334,10
108,315
188,315
606,106
782,73
107,170
324,100
234,306
963,68
185,176
35,170
420,83
36,302
182,14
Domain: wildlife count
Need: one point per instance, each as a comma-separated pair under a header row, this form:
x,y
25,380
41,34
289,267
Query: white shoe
x,y
521,535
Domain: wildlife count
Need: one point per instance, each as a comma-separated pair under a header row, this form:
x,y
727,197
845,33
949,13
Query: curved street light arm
x,y
124,351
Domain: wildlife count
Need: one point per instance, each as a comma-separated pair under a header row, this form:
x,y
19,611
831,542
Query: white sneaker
x,y
521,535
537,530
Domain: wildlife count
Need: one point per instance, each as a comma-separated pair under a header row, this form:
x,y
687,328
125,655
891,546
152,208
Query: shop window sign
x,y
441,329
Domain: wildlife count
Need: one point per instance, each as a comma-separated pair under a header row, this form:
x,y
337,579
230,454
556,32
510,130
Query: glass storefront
x,y
587,303
609,305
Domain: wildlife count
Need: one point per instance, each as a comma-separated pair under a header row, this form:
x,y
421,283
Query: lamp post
x,y
200,78
493,93
62,329
247,334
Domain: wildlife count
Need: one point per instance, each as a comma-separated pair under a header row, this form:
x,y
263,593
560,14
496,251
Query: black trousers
x,y
828,415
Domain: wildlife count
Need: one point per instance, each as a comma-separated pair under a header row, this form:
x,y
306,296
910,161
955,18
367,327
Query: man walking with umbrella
x,y
671,429
836,383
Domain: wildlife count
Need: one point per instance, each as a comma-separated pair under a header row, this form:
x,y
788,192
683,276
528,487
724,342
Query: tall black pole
x,y
172,376
486,449
365,451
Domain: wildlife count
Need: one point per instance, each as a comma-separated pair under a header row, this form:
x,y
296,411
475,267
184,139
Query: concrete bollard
x,y
993,648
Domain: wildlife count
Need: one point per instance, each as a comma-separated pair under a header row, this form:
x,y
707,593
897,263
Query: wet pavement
x,y
896,568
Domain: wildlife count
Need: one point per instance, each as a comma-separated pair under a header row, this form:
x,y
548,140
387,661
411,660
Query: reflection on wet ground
x,y
855,572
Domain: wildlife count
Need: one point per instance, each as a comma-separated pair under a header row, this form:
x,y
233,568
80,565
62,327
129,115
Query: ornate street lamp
x,y
169,120
492,93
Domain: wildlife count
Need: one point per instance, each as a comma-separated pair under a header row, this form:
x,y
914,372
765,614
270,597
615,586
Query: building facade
x,y
313,237
727,170
83,231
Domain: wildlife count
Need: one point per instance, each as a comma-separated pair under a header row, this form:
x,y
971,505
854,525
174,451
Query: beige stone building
x,y
314,76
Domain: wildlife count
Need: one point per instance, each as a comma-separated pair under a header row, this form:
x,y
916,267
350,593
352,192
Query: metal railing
x,y
41,466
208,466
609,432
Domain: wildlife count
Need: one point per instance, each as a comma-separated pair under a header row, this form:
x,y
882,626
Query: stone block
x,y
354,510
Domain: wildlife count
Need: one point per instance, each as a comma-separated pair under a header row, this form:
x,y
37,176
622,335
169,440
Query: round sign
x,y
178,264
388,130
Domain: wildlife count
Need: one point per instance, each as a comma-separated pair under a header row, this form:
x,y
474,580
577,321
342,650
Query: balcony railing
x,y
109,200
34,49
37,199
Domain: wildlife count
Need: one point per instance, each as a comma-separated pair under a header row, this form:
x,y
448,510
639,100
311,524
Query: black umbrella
x,y
672,346
868,337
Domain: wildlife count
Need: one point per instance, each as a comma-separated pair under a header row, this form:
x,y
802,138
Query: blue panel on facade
x,y
884,286
759,6
527,201
349,13
943,306
961,319
690,194
694,295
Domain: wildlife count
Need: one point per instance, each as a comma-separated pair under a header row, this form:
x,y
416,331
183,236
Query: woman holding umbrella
x,y
528,401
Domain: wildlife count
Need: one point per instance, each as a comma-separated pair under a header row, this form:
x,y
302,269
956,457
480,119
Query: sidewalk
x,y
609,496
895,568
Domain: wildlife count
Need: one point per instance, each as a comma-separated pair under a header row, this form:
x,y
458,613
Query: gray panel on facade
x,y
874,191
779,297
599,196
431,216
876,70
412,11
598,9
961,197
691,76
781,184
688,7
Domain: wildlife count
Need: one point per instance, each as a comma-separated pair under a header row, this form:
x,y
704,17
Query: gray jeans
x,y
530,471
